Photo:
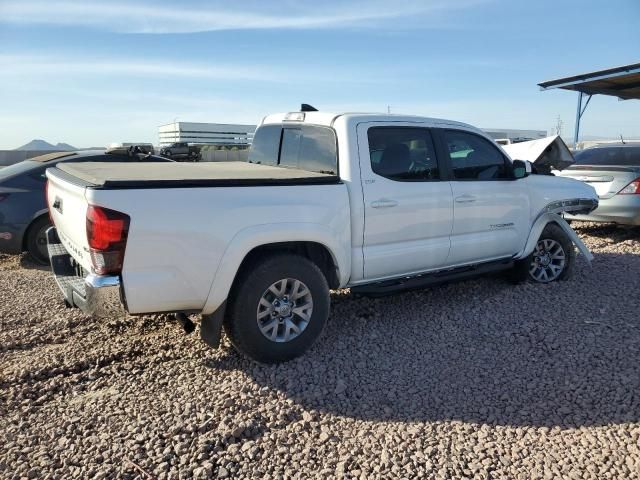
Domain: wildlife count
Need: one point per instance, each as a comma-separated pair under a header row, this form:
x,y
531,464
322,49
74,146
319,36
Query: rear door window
x,y
403,153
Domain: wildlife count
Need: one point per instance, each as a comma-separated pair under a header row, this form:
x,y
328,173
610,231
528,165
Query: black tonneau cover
x,y
113,175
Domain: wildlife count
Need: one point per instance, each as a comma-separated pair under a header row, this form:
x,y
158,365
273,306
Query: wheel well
x,y
315,252
27,230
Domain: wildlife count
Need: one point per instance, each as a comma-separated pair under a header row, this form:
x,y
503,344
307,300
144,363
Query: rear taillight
x,y
632,188
107,232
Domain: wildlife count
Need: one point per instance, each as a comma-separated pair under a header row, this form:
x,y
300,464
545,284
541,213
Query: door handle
x,y
465,199
384,203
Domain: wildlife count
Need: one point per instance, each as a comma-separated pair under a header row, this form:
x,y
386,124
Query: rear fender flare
x,y
539,225
256,236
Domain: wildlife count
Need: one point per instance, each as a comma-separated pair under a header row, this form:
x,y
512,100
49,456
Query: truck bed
x,y
115,175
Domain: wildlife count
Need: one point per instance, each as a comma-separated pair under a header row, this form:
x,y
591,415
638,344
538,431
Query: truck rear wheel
x,y
552,259
279,308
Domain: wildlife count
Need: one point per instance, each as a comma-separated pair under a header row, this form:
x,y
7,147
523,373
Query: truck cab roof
x,y
330,118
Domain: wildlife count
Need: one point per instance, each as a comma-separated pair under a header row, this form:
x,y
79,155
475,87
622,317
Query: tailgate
x,y
68,208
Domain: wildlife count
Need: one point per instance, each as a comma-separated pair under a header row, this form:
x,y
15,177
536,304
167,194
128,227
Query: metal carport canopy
x,y
622,82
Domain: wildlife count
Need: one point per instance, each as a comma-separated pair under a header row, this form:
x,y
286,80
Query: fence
x,y
224,155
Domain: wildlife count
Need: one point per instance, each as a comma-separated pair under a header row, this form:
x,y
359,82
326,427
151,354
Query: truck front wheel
x,y
278,309
552,259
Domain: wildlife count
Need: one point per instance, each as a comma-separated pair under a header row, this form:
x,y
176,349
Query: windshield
x,y
626,156
306,147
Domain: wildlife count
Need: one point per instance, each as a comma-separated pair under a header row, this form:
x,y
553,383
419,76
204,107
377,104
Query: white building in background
x,y
206,133
237,134
512,134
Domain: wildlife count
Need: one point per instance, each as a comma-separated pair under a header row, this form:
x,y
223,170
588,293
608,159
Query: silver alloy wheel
x,y
284,310
548,261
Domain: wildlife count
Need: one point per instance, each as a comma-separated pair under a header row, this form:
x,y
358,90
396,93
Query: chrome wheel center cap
x,y
545,260
284,310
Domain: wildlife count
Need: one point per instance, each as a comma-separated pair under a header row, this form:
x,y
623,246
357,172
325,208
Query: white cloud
x,y
31,65
149,17
23,66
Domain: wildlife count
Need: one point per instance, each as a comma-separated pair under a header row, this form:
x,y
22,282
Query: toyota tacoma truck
x,y
378,203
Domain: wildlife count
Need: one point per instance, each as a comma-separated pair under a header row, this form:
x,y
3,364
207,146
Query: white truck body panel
x,y
185,245
488,220
396,242
178,259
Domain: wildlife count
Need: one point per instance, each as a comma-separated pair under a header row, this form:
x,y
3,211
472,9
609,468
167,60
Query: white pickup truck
x,y
377,203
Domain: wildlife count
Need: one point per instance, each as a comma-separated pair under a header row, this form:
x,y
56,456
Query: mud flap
x,y
538,227
582,248
211,326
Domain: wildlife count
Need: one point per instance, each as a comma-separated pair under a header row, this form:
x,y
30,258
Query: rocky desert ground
x,y
478,379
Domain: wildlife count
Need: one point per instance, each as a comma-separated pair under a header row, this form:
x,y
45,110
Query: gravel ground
x,y
479,379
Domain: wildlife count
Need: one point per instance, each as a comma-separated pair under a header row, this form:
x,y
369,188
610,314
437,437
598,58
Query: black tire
x,y
242,324
522,269
36,240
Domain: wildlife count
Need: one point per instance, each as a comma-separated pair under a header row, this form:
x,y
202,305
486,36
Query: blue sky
x,y
94,72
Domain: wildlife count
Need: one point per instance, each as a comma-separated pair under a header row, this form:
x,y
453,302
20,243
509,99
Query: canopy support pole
x,y
576,132
579,112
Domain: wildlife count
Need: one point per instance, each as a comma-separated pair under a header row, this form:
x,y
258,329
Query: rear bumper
x,y
622,209
96,295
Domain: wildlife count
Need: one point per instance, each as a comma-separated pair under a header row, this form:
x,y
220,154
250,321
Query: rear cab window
x,y
305,147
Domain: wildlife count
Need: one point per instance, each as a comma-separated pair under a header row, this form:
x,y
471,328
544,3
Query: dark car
x,y
181,151
24,217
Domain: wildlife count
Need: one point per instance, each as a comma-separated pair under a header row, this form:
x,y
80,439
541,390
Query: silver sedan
x,y
614,171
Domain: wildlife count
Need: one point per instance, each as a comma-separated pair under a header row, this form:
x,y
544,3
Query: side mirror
x,y
521,168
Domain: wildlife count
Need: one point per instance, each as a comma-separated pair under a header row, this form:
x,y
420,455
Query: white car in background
x,y
613,170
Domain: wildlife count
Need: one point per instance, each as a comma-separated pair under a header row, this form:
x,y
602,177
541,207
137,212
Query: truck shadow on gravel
x,y
26,262
481,351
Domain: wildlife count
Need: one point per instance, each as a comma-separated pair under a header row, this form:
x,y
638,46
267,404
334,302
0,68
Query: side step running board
x,y
390,287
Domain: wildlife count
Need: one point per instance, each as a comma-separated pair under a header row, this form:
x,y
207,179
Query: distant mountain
x,y
39,144
65,147
36,145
